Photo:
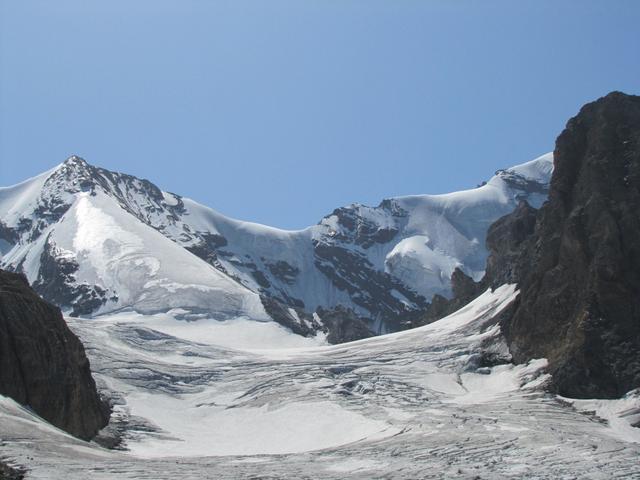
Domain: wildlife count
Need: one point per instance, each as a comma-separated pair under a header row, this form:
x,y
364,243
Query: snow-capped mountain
x,y
95,241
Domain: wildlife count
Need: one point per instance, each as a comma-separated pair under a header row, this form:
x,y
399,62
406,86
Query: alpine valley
x,y
492,333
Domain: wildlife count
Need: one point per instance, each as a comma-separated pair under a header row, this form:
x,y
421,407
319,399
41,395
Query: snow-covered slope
x,y
95,241
85,251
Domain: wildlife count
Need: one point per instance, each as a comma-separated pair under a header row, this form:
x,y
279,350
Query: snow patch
x,y
270,429
620,414
239,333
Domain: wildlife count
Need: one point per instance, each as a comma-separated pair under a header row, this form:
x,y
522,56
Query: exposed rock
x,y
56,283
464,290
343,325
7,234
580,271
206,248
504,242
295,319
76,175
283,271
462,285
362,231
43,364
372,289
8,472
521,183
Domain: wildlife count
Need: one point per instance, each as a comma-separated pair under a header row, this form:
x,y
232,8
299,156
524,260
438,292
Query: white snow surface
x,y
238,333
22,197
538,169
406,405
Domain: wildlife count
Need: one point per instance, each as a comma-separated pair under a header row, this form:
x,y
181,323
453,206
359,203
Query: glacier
x,y
415,404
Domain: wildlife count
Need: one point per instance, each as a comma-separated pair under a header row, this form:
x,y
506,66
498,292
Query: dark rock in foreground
x,y
580,270
43,364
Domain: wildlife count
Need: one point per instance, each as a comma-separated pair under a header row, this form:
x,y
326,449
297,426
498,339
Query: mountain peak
x,y
75,160
74,175
73,166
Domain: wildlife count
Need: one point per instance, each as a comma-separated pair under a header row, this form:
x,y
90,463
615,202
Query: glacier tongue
x,y
426,403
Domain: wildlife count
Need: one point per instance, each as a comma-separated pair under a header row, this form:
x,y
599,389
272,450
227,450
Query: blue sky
x,y
280,111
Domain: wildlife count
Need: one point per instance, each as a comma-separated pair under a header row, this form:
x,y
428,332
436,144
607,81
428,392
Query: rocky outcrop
x,y
369,288
464,290
505,240
342,325
56,283
7,472
43,364
362,231
579,272
295,319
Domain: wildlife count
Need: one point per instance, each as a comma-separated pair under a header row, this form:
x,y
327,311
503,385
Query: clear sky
x,y
280,111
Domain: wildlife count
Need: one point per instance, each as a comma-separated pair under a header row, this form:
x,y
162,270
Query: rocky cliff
x,y
580,269
43,364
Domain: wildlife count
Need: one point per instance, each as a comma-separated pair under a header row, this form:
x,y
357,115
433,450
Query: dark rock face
x,y
56,283
580,270
299,322
361,231
43,364
206,248
283,271
343,325
78,176
369,288
7,234
464,290
504,242
341,255
8,472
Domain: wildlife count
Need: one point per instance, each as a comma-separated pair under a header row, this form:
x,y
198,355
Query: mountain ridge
x,y
381,263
